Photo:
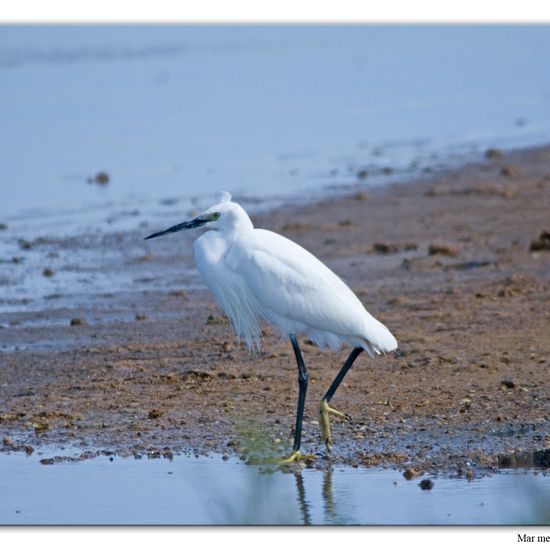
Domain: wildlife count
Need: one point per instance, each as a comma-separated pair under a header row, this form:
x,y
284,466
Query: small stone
x,y
443,250
363,174
154,414
383,248
410,473
48,272
542,243
390,248
508,384
101,178
493,153
140,317
211,320
77,322
509,171
541,459
509,292
178,293
3,226
426,484
40,426
226,346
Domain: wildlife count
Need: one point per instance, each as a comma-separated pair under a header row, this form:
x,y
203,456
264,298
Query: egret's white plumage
x,y
257,274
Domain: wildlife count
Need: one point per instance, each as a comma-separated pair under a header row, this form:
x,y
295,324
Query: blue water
x,y
270,113
212,491
263,111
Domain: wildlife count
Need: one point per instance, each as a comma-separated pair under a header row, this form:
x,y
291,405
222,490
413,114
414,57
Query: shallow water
x,y
182,111
271,113
214,491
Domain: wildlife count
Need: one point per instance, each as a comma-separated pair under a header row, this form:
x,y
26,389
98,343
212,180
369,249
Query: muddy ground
x,y
457,265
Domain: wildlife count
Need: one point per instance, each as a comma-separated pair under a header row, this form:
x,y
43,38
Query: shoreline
x,y
444,262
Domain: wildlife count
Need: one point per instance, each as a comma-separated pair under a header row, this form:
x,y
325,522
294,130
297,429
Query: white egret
x,y
258,275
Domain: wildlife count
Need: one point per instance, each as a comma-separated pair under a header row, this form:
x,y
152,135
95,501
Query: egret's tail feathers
x,y
371,350
379,339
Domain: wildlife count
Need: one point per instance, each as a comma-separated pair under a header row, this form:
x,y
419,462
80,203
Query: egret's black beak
x,y
197,222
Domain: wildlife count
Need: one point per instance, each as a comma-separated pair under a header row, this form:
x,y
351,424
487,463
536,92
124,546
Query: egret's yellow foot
x,y
324,421
296,456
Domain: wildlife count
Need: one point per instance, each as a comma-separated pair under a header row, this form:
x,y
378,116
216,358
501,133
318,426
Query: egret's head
x,y
224,215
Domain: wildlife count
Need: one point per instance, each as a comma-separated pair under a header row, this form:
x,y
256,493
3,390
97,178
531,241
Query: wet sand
x,y
453,264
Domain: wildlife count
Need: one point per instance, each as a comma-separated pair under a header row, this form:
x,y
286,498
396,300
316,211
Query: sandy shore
x,y
451,264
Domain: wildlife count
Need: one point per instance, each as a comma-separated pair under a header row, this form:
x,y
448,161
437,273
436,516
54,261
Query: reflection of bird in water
x,y
259,275
331,514
302,501
328,497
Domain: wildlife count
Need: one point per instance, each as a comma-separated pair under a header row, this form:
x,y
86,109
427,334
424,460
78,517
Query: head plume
x,y
224,196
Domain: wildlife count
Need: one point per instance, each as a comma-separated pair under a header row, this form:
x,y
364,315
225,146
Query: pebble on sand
x,y
409,473
542,243
509,171
390,248
443,250
493,153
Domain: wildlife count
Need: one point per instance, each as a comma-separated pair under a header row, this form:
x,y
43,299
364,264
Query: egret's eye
x,y
215,216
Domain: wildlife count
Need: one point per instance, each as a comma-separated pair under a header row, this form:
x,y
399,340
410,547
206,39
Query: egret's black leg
x,y
340,376
302,389
325,410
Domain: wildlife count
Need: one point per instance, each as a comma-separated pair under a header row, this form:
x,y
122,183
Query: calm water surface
x,y
271,113
212,491
264,111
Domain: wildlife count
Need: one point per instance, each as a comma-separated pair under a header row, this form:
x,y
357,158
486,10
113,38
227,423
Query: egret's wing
x,y
286,279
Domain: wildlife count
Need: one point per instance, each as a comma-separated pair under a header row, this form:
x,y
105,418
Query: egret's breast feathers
x,y
228,288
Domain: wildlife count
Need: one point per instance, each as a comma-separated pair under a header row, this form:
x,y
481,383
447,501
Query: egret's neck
x,y
237,223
